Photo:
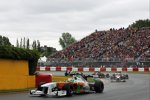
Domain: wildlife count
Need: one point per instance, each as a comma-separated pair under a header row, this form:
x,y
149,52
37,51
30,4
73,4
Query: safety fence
x,y
92,69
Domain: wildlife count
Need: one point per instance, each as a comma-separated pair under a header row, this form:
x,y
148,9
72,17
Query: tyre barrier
x,y
92,69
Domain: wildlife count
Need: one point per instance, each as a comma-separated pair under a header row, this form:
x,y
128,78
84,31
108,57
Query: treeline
x,y
25,43
35,45
140,23
4,41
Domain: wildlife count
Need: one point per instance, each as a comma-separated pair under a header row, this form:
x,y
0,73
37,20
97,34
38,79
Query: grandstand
x,y
114,47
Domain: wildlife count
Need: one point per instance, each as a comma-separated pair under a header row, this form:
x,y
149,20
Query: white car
x,y
118,77
75,85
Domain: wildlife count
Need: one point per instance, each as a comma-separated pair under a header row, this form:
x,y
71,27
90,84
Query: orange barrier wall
x,y
14,74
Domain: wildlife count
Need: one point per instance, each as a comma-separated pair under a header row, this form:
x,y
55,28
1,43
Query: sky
x,y
46,20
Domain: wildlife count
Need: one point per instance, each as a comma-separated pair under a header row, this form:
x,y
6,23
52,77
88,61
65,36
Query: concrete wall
x,y
14,74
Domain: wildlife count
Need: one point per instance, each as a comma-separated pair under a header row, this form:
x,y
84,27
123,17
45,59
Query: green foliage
x,y
24,43
9,52
38,45
140,23
21,43
34,45
66,40
17,44
28,44
33,61
48,51
4,41
44,51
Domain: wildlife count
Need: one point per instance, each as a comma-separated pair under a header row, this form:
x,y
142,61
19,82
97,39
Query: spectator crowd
x,y
123,44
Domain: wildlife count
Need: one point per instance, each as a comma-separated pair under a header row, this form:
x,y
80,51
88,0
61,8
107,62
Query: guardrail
x,y
92,69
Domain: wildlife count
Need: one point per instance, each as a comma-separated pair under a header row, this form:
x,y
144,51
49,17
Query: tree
x,y
21,43
28,44
24,43
47,51
38,45
66,40
4,41
140,23
17,44
34,45
1,40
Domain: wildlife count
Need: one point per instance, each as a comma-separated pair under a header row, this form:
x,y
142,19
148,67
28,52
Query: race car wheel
x,y
66,74
107,75
101,76
30,93
127,77
67,87
98,86
124,80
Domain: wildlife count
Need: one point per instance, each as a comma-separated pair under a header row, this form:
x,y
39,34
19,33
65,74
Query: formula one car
x,y
118,77
96,74
100,75
125,75
71,73
75,85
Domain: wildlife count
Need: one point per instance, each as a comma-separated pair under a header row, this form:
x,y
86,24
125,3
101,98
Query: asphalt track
x,y
136,88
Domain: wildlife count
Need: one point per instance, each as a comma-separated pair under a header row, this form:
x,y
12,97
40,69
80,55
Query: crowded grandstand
x,y
114,47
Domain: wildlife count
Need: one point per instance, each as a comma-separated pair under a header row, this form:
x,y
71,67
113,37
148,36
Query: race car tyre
x,y
67,87
99,86
107,75
127,77
66,74
30,93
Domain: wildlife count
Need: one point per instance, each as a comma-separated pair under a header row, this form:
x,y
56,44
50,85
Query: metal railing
x,y
94,62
